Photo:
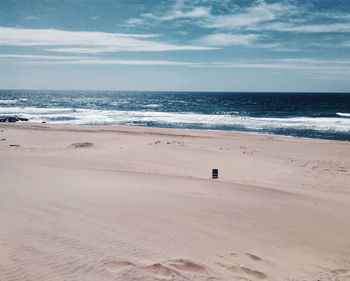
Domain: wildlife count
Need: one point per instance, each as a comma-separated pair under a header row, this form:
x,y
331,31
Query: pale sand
x,y
95,203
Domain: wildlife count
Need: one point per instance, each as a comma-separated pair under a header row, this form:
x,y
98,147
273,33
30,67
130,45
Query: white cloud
x,y
133,21
260,16
87,50
179,14
47,59
93,61
278,17
203,16
249,17
40,57
85,41
315,61
308,65
305,28
144,46
174,14
224,39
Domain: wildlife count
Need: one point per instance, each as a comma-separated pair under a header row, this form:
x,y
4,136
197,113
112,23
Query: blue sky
x,y
198,45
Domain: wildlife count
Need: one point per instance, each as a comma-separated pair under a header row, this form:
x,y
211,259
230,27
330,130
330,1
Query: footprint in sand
x,y
253,257
117,266
81,145
343,261
248,271
341,272
244,272
159,271
187,266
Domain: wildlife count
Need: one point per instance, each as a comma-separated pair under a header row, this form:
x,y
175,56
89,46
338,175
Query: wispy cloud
x,y
87,42
305,28
224,39
197,12
180,10
133,22
38,57
229,23
308,65
249,17
47,59
315,61
144,46
272,65
92,61
204,17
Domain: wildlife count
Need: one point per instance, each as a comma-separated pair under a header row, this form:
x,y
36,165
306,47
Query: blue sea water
x,y
313,115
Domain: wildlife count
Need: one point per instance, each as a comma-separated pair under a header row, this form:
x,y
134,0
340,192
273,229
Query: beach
x,y
111,202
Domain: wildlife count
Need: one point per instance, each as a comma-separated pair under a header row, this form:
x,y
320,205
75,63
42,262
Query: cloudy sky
x,y
197,45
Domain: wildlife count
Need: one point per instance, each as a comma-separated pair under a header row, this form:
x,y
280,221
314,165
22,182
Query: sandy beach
x,y
95,203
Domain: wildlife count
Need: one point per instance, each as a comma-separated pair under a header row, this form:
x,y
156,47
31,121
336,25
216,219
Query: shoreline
x,y
105,126
128,203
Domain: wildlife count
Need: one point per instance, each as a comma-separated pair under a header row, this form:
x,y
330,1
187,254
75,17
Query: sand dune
x,y
130,203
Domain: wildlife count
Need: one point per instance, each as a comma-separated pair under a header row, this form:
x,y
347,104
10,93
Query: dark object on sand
x,y
12,119
215,174
81,145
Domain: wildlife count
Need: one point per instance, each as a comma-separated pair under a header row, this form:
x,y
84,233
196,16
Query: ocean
x,y
311,115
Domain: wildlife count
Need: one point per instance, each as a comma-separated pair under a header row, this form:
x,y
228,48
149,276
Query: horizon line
x,y
183,91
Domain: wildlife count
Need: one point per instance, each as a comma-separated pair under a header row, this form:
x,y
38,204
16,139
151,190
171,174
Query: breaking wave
x,y
176,119
8,101
343,114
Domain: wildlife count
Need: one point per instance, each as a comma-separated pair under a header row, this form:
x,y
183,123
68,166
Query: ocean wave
x,y
343,114
8,101
175,119
13,101
34,110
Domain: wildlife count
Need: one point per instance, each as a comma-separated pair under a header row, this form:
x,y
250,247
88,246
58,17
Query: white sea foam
x,y
12,101
32,110
343,114
8,101
152,105
91,116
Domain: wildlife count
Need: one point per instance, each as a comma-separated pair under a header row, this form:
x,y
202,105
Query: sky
x,y
176,45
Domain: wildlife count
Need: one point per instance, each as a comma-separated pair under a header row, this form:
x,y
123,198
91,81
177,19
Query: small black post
x,y
215,174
